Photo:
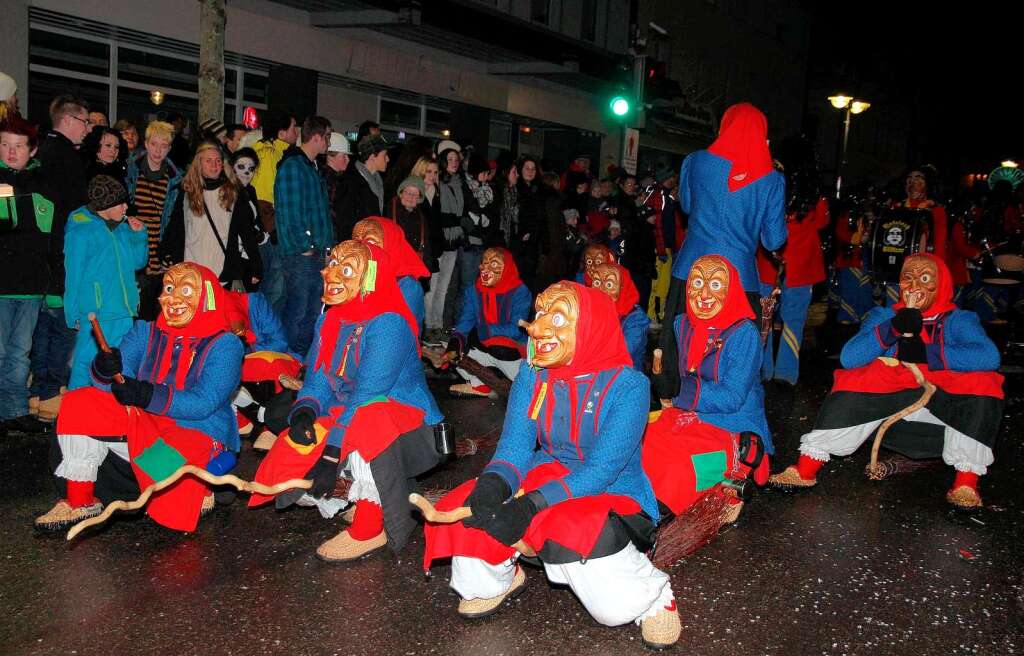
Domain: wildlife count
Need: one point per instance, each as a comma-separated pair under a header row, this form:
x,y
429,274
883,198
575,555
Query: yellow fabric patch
x,y
321,435
268,356
540,401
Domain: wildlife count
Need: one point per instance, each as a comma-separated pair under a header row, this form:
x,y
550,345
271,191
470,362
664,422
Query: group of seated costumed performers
x,y
267,359
409,268
566,481
712,426
487,328
614,280
364,409
949,347
159,401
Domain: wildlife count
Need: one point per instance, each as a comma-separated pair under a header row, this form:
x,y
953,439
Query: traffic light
x,y
620,106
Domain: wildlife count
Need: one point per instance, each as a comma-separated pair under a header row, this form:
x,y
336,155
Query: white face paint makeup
x,y
244,170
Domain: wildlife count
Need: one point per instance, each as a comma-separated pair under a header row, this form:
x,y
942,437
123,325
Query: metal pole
x,y
842,157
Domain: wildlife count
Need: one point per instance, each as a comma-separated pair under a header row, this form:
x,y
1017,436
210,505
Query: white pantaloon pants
x,y
508,367
433,300
617,589
958,450
83,456
362,487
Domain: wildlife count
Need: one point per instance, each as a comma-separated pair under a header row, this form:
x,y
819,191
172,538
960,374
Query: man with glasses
x,y
64,169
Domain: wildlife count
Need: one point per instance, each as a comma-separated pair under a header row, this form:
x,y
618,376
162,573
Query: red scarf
x,y
489,295
736,308
943,294
743,140
628,294
238,315
599,346
403,258
385,297
210,318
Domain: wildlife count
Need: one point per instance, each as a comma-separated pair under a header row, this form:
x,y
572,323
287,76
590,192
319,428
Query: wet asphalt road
x,y
851,567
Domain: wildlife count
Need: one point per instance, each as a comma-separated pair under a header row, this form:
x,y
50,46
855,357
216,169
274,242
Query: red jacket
x,y
805,264
844,239
959,251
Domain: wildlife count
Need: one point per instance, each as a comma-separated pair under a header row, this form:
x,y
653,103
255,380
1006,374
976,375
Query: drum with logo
x,y
897,234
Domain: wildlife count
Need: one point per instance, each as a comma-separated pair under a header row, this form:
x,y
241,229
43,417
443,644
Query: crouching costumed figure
x,y
161,401
565,482
364,409
409,268
950,350
714,428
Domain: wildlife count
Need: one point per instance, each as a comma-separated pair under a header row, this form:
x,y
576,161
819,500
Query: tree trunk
x,y
212,21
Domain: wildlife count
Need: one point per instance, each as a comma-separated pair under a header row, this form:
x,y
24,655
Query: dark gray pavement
x,y
851,567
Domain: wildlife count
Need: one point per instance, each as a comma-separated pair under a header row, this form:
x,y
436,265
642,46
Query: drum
x,y
897,234
1002,263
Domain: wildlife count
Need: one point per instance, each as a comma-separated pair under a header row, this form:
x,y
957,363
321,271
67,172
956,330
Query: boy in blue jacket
x,y
102,251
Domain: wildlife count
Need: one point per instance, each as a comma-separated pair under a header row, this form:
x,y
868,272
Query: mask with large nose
x,y
343,273
919,282
179,299
553,329
707,287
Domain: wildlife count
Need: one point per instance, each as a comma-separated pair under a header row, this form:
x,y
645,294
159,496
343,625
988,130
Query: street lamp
x,y
851,106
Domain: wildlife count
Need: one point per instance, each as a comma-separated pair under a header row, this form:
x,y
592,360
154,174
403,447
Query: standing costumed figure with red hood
x,y
614,280
490,316
565,480
736,202
960,420
713,425
171,406
267,359
364,409
409,268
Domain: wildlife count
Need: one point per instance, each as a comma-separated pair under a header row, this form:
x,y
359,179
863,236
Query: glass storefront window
x,y
437,121
157,70
254,88
399,115
43,88
69,53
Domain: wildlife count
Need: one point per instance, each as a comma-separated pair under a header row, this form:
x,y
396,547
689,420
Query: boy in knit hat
x,y
102,251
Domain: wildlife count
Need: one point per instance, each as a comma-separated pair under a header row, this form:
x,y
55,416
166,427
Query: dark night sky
x,y
956,71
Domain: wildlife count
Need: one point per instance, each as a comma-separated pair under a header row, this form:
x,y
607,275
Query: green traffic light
x,y
620,106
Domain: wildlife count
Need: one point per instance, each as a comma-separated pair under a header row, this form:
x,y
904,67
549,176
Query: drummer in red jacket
x,y
855,298
959,250
921,184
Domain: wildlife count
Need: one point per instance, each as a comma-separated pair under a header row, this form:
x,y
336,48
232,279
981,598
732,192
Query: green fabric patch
x,y
211,300
44,213
709,468
376,399
80,217
370,277
9,211
160,460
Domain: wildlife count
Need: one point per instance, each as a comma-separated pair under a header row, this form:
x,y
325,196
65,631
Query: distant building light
x,y
445,133
401,135
840,100
1009,163
156,96
526,129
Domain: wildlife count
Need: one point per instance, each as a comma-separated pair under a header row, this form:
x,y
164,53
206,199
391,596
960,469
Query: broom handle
x,y
102,341
435,516
926,396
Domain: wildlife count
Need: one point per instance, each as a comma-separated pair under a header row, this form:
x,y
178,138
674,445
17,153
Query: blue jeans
x,y
272,285
469,269
302,302
51,353
855,295
792,310
18,319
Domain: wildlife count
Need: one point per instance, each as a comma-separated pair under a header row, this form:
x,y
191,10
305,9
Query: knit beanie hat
x,y
8,87
106,192
370,145
213,126
413,181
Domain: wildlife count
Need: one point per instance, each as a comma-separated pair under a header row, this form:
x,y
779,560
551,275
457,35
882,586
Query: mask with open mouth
x,y
919,283
553,330
370,231
343,273
707,287
179,300
492,266
595,255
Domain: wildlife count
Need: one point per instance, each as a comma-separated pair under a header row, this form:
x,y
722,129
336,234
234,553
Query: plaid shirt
x,y
300,202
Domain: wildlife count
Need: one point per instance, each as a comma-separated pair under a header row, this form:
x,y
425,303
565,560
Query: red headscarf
x,y
404,259
238,315
509,281
943,293
736,308
609,258
743,140
629,296
385,297
210,318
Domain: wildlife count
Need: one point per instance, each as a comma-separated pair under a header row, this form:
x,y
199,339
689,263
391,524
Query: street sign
x,y
630,149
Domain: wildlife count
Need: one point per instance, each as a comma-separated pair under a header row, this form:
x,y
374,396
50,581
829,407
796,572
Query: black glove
x,y
324,473
133,392
107,365
485,499
301,429
454,345
908,320
506,353
512,520
912,349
